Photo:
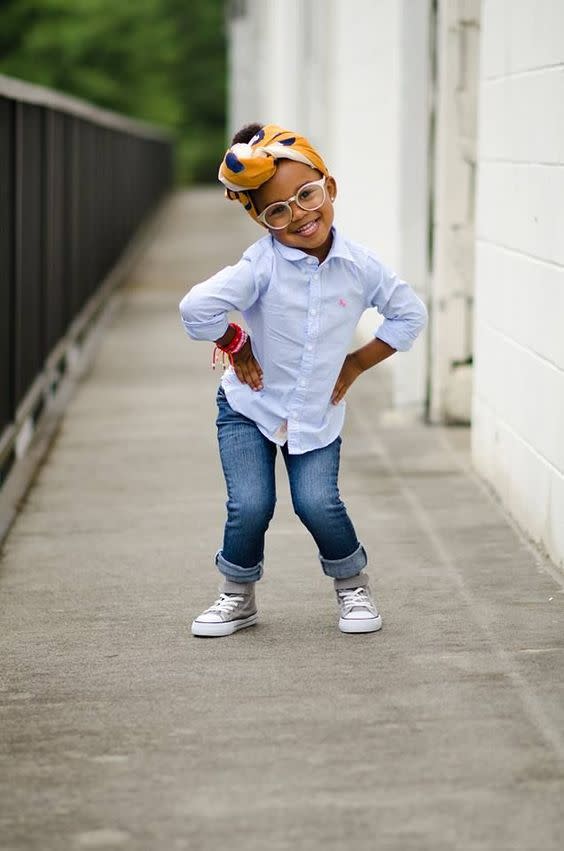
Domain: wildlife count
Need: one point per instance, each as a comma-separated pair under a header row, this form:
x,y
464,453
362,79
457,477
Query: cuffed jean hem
x,y
237,573
342,568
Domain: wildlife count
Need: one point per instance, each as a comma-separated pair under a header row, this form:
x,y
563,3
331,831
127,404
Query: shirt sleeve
x,y
204,309
405,315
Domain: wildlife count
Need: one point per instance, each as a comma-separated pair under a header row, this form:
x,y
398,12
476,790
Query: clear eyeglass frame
x,y
262,217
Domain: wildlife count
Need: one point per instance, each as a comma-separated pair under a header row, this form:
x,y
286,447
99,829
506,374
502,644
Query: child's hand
x,y
247,369
350,371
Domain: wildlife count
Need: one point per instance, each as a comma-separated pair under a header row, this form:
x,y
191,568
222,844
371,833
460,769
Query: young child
x,y
301,289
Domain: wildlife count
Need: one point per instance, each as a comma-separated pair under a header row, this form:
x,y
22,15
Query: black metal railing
x,y
75,183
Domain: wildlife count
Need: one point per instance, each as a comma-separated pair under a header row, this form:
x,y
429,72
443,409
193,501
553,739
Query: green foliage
x,y
158,60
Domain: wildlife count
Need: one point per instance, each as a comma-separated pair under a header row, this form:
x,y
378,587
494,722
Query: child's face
x,y
309,230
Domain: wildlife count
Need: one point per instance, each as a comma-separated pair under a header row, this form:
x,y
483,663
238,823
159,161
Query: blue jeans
x,y
248,459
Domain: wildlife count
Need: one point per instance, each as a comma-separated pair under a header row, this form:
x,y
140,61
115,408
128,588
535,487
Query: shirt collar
x,y
339,248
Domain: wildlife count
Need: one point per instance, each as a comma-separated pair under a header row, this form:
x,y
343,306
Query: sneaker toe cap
x,y
360,615
209,617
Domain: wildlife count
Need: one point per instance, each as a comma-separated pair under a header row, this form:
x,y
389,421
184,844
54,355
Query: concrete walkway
x,y
120,730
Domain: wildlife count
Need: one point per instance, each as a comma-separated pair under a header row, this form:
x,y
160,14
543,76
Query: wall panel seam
x,y
519,345
538,455
511,250
503,161
524,72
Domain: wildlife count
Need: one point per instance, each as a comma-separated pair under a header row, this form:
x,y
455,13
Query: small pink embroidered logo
x,y
342,302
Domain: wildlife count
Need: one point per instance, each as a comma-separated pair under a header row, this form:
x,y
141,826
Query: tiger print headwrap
x,y
246,166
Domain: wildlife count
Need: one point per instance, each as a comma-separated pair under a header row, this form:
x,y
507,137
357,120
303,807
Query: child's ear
x,y
331,185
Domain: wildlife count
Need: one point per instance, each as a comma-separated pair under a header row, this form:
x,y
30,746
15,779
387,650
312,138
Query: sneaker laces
x,y
226,603
350,598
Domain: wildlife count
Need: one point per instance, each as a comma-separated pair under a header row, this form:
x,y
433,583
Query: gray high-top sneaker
x,y
357,606
234,609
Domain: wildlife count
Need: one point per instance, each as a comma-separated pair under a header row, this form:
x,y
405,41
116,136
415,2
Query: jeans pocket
x,y
225,413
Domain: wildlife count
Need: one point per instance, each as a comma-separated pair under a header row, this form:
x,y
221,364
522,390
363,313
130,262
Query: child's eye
x,y
279,210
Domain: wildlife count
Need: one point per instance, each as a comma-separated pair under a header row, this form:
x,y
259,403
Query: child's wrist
x,y
237,342
237,337
227,337
357,362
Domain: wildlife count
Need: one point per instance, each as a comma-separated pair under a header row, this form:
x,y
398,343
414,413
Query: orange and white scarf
x,y
246,166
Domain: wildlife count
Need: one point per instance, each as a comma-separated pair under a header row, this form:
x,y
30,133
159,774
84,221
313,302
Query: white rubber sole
x,y
215,630
351,625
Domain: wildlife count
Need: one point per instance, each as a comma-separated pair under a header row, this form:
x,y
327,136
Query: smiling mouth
x,y
308,229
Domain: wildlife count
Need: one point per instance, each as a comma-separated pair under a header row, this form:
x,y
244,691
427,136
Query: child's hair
x,y
246,133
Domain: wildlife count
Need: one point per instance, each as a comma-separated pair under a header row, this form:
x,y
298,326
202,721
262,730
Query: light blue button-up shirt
x,y
301,316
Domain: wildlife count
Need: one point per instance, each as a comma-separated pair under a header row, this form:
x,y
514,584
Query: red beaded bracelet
x,y
238,340
235,345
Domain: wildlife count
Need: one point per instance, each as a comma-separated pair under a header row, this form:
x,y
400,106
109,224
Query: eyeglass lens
x,y
310,197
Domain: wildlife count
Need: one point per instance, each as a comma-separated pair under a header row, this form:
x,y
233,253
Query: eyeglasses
x,y
310,196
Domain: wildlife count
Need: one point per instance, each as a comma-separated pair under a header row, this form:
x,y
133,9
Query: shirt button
x,y
309,347
302,383
313,311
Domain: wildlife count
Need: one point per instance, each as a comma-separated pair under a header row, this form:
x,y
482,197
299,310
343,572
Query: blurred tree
x,y
158,60
200,81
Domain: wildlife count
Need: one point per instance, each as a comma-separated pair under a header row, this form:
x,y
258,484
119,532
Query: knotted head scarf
x,y
246,166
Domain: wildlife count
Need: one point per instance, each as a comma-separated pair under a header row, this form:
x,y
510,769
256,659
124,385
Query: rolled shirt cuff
x,y
210,331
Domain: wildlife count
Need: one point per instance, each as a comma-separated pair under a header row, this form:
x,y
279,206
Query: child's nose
x,y
297,212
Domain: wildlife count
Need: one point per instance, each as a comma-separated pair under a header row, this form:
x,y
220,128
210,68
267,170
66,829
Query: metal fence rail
x,y
75,183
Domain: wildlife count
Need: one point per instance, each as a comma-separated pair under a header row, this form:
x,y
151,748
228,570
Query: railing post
x,y
7,117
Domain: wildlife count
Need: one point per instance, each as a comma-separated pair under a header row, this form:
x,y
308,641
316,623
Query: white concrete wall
x,y
353,76
415,94
518,405
379,104
454,151
276,56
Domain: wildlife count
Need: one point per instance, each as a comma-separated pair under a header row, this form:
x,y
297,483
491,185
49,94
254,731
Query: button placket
x,y
298,398
313,325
